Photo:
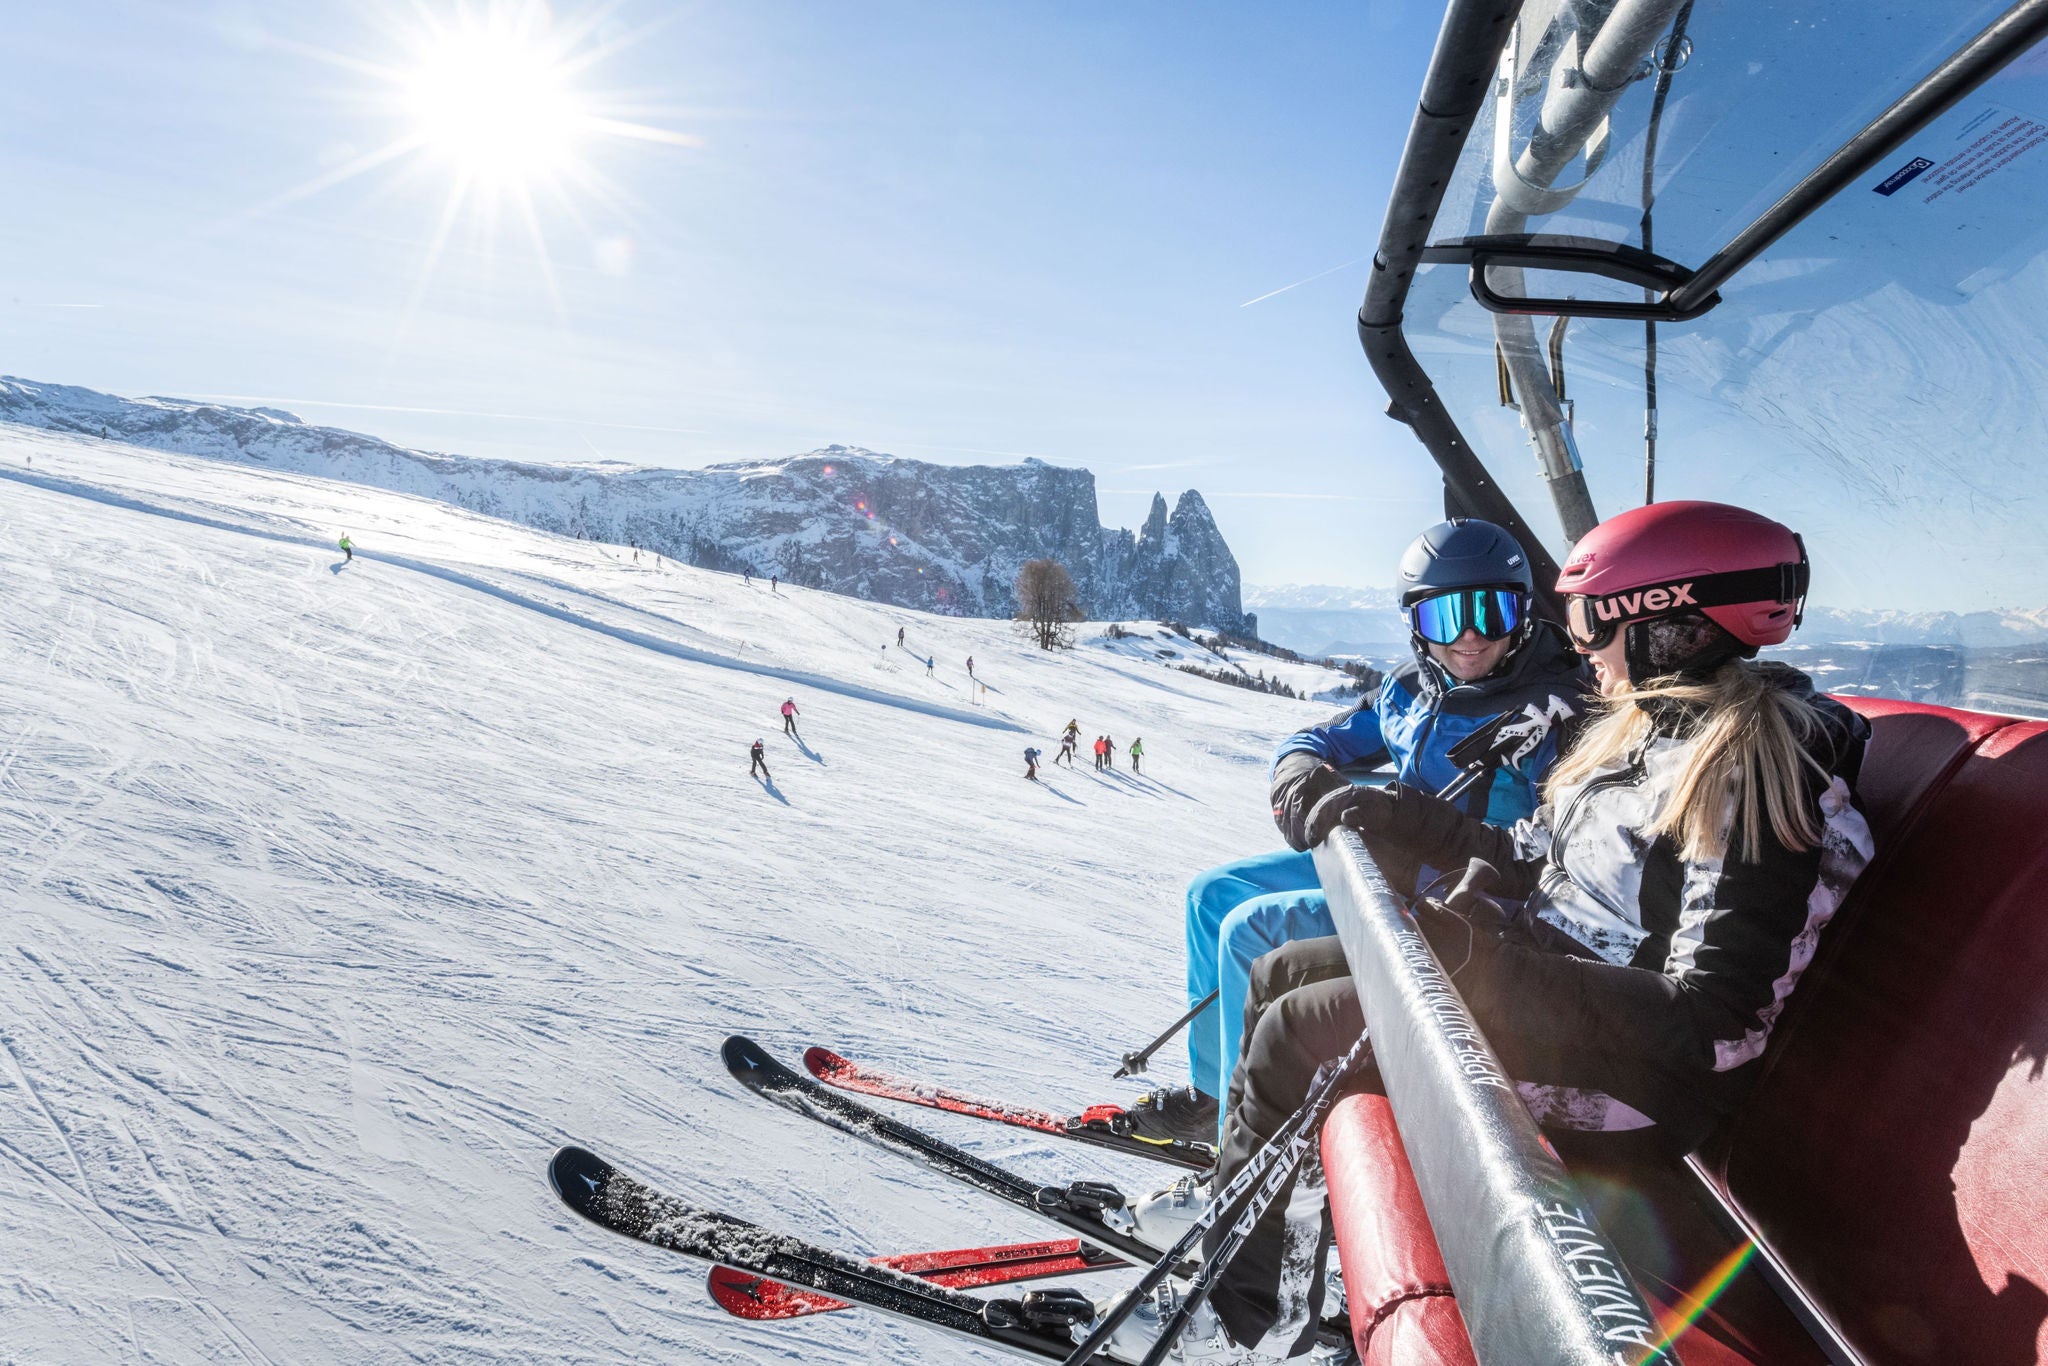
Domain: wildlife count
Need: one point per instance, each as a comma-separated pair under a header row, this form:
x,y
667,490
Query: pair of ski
x,y
761,1274
770,1272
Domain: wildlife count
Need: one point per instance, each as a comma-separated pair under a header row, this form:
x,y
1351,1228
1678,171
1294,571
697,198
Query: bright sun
x,y
493,98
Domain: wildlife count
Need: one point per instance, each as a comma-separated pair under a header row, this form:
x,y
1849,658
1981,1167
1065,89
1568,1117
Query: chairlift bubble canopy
x,y
1823,218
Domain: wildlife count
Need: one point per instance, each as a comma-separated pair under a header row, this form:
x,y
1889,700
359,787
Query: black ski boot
x,y
1179,1112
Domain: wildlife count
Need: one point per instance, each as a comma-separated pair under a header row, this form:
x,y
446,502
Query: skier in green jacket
x,y
1137,753
348,547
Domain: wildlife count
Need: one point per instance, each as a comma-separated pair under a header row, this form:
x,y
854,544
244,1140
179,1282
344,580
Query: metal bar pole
x,y
1458,84
1538,1283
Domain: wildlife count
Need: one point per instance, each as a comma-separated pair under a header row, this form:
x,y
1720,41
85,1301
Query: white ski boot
x,y
1161,1219
1202,1341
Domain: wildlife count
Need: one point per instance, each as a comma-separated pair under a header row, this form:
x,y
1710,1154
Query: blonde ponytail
x,y
1745,757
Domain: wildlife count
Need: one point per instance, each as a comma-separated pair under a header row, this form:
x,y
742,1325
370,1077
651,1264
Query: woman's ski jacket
x,y
1634,986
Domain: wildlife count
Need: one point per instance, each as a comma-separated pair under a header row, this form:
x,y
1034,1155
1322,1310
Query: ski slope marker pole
x,y
1134,1063
1280,1155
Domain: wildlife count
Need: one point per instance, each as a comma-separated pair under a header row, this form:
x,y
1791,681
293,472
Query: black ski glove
x,y
1465,927
1310,799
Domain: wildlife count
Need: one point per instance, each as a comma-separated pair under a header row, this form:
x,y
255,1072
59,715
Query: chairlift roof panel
x,y
1874,377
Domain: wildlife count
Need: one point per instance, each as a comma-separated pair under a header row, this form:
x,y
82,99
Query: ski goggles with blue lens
x,y
1494,613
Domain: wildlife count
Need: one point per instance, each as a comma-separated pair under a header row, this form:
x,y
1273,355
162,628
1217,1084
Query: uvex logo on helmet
x,y
1643,601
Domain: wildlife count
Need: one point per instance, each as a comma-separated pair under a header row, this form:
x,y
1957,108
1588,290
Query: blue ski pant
x,y
1237,912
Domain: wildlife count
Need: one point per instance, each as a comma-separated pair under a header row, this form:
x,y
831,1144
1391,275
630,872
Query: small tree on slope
x,y
1046,605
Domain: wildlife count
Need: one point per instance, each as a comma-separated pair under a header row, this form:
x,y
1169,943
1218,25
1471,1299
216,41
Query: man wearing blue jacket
x,y
1479,655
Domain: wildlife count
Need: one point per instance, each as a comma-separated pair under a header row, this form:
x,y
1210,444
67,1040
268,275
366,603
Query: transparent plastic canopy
x,y
1877,378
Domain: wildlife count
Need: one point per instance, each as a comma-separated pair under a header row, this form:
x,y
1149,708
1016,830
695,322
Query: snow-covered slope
x,y
337,895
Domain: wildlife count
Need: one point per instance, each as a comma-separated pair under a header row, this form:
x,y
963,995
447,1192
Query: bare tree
x,y
1045,603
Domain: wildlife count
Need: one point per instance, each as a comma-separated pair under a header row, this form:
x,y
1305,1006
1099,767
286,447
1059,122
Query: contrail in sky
x,y
1299,283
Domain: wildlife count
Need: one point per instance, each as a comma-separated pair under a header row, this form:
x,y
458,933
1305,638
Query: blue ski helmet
x,y
1465,574
1462,553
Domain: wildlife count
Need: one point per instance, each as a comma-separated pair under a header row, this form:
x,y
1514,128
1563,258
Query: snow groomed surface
x,y
340,895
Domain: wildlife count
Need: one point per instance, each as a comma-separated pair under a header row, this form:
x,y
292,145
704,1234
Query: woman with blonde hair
x,y
1653,915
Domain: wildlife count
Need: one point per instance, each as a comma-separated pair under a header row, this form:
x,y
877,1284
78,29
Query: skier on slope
x,y
348,548
1137,753
899,637
789,715
1031,764
1700,833
1098,754
1066,750
1108,753
760,765
970,666
1478,653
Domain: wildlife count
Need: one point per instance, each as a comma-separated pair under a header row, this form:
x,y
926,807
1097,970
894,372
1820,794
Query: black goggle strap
x,y
1777,583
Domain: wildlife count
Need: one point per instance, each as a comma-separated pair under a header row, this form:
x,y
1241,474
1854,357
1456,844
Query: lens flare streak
x,y
1693,1304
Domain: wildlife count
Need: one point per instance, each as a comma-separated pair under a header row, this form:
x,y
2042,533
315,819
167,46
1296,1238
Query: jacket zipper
x,y
1632,776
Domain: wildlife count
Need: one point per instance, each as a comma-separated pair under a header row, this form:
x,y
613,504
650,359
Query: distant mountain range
x,y
1318,620
941,538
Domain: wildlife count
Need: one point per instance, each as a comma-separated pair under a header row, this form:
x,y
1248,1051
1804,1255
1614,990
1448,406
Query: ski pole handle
x,y
1464,780
1134,1063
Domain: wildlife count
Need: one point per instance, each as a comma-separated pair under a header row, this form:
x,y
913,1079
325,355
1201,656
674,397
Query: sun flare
x,y
498,111
495,100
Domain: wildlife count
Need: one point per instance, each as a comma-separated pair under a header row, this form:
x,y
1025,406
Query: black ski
x,y
1077,1207
611,1199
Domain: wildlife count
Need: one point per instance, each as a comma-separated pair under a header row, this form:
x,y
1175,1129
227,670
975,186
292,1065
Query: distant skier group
x,y
1105,750
757,754
1105,753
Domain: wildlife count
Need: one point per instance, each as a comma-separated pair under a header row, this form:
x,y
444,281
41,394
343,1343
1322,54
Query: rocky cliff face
x,y
942,538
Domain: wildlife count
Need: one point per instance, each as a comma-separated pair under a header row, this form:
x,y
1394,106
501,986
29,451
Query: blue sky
x,y
1128,237
960,233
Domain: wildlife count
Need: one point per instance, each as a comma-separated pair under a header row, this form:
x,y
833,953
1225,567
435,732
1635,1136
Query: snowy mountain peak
x,y
944,538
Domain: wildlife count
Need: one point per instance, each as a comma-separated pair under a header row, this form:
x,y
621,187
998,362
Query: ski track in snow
x,y
339,895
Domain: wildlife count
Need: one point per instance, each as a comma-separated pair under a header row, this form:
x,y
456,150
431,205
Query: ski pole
x,y
1280,1155
1464,780
1134,1063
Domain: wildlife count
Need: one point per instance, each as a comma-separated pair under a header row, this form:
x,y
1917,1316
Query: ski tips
x,y
823,1063
748,1061
578,1176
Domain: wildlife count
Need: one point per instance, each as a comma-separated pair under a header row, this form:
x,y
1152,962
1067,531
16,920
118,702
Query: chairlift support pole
x,y
1668,61
1453,92
1573,115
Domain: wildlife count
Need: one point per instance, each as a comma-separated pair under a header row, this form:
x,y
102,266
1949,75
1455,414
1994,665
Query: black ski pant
x,y
759,767
1300,1012
789,725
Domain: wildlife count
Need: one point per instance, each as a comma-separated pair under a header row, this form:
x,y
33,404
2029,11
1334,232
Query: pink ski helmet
x,y
1741,570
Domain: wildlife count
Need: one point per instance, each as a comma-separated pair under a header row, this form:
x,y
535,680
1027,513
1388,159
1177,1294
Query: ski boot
x,y
1174,1112
1160,1219
1202,1341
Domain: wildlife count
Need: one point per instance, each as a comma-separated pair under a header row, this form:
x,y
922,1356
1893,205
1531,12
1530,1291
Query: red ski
x,y
748,1296
1104,1126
